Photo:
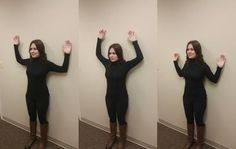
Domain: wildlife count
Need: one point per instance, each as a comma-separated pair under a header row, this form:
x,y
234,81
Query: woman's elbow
x,y
19,61
66,70
141,58
97,55
215,81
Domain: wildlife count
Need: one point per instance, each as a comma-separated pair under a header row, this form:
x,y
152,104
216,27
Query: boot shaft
x,y
122,141
111,141
32,136
44,136
190,129
200,134
200,137
33,129
190,140
44,132
113,129
123,130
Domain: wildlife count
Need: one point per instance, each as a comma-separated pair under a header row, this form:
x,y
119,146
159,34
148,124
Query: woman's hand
x,y
16,40
176,56
67,47
131,36
221,61
102,34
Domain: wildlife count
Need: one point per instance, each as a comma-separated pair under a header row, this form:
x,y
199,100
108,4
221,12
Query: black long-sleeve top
x,y
116,72
37,71
194,72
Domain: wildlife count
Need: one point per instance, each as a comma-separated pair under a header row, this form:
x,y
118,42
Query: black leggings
x,y
117,107
195,108
38,105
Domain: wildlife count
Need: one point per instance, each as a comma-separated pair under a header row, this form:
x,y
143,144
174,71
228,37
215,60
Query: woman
x,y
194,98
37,95
116,95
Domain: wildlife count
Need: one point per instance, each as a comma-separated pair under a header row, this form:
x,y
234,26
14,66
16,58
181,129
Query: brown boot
x,y
44,136
112,138
190,140
32,137
122,141
200,137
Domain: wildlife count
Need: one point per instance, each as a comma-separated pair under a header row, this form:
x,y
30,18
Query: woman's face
x,y
34,51
112,55
191,52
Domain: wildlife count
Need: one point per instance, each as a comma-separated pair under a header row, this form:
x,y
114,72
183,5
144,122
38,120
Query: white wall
x,y
54,22
212,23
117,17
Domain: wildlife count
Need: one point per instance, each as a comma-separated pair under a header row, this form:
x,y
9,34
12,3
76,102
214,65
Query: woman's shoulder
x,y
204,64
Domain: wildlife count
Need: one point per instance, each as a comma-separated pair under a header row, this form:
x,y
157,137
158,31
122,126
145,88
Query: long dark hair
x,y
119,51
197,48
40,47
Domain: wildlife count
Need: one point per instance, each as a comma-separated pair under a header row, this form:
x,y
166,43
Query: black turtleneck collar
x,y
116,62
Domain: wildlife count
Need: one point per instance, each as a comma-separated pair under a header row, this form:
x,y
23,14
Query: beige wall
x,y
117,17
0,106
212,22
54,22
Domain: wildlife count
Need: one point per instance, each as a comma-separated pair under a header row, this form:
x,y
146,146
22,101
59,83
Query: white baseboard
x,y
133,140
51,139
184,131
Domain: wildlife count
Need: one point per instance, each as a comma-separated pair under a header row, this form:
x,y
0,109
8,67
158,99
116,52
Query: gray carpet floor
x,y
171,139
12,137
93,138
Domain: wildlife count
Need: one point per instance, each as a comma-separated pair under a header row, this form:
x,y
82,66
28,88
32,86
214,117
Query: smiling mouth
x,y
33,55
